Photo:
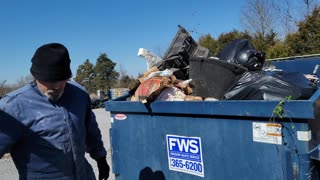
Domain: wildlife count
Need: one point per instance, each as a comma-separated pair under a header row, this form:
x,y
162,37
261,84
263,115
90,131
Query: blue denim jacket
x,y
48,140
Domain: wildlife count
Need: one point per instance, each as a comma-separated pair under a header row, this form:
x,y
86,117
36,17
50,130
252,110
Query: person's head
x,y
51,69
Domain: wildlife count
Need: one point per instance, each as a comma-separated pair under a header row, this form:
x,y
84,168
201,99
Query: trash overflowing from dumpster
x,y
262,121
190,72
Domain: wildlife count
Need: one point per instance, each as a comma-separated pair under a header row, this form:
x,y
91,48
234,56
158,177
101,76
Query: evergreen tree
x,y
278,50
105,74
85,75
307,39
262,43
209,42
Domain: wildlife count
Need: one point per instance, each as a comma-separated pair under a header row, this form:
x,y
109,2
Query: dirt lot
x,y
9,172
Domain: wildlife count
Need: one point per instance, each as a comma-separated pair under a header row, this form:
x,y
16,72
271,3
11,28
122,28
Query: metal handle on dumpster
x,y
315,70
314,73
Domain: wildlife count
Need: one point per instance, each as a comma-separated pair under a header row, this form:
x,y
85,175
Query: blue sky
x,y
115,27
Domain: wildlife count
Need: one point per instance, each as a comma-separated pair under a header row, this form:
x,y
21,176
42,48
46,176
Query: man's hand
x,y
103,168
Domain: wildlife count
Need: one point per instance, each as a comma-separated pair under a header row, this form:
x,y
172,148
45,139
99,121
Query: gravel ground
x,y
9,172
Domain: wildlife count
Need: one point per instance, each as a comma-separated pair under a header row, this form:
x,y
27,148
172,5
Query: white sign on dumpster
x,y
267,132
185,154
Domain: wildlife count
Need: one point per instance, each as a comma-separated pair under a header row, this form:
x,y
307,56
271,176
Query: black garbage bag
x,y
277,85
242,52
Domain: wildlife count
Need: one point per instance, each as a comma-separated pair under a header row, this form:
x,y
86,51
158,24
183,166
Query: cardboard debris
x,y
151,88
193,98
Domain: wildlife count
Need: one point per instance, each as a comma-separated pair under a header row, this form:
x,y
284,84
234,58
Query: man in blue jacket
x,y
48,125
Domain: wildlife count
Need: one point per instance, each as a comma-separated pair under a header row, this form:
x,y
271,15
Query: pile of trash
x,y
190,72
98,101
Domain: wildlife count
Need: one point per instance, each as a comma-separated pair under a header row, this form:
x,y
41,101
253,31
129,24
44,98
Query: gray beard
x,y
51,96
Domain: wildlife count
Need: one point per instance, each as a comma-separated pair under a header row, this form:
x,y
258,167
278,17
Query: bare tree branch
x,y
259,16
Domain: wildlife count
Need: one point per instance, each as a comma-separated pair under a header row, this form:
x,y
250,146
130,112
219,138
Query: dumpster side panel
x,y
234,139
228,149
304,65
302,109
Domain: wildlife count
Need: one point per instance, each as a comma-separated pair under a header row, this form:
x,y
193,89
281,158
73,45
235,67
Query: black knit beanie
x,y
51,62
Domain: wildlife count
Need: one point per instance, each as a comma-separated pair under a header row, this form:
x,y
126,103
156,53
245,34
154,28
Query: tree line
x,y
102,75
305,40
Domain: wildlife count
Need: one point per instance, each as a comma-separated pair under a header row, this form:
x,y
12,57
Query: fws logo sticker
x,y
185,154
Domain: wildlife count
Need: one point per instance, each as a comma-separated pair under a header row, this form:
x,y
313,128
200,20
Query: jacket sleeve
x,y
94,143
10,128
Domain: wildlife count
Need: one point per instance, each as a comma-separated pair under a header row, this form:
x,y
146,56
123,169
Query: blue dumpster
x,y
235,139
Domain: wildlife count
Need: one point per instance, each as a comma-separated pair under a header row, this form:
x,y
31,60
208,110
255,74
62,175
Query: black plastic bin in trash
x,y
212,78
227,139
